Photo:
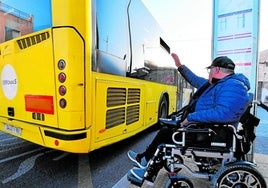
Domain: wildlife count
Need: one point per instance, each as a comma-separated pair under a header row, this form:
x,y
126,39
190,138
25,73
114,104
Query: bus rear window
x,y
18,18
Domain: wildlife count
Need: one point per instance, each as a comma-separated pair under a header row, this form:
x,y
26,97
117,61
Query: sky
x,y
41,16
188,24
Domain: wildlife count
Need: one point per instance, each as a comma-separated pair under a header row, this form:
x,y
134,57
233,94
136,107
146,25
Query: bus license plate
x,y
12,129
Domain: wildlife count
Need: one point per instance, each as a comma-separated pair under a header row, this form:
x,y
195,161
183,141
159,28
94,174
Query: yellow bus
x,y
80,75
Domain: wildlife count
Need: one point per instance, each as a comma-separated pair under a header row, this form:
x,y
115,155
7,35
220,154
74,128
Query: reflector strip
x,y
39,103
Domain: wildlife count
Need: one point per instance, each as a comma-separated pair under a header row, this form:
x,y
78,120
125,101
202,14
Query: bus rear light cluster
x,y
62,78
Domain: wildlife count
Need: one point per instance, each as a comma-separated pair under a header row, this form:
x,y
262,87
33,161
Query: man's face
x,y
213,73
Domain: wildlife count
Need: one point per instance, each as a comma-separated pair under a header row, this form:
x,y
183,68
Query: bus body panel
x,y
22,130
69,46
36,96
29,69
117,114
113,96
70,13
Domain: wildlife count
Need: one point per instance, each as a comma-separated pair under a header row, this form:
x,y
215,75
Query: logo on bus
x,y
9,81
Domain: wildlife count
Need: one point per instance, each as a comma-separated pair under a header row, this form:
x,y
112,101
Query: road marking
x,y
24,167
84,175
20,155
61,156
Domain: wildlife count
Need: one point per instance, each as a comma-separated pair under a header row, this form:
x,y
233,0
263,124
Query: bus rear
x,y
42,77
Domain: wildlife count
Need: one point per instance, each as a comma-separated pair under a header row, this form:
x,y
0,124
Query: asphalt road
x,y
24,164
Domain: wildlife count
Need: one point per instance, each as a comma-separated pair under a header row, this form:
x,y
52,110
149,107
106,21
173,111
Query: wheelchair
x,y
218,151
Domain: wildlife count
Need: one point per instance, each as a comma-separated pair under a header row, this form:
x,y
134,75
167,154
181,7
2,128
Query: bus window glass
x,y
112,27
18,18
113,40
150,53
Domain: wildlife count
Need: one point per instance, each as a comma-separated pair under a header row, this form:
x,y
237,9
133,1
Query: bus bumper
x,y
69,141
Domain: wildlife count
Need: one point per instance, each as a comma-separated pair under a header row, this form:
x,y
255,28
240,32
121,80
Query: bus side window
x,y
112,40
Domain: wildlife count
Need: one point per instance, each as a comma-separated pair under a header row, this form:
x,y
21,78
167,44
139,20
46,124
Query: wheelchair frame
x,y
217,164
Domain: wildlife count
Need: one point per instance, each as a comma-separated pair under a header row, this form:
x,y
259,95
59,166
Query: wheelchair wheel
x,y
238,176
179,182
177,159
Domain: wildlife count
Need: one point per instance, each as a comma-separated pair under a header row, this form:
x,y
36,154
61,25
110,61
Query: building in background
x,y
14,23
263,76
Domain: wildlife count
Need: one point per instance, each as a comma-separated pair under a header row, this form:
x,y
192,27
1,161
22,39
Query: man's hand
x,y
176,59
184,122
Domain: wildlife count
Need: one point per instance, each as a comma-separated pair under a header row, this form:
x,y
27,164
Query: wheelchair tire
x,y
238,175
177,159
179,182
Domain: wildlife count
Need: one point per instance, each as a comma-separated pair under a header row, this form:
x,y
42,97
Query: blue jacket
x,y
222,102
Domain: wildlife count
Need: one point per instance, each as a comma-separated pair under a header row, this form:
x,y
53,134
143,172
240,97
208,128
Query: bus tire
x,y
163,108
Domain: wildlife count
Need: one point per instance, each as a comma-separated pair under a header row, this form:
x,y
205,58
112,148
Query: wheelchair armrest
x,y
179,142
203,129
173,121
211,125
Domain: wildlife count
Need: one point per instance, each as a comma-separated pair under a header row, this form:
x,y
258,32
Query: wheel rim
x,y
181,184
239,179
177,159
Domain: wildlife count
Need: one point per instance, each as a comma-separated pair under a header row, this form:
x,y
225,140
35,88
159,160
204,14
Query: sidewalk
x,y
162,178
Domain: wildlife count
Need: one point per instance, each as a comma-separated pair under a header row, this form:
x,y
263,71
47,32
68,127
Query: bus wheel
x,y
163,108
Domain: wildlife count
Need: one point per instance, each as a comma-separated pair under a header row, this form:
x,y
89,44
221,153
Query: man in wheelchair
x,y
220,100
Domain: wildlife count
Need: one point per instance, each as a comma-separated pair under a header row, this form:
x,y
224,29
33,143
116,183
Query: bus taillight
x,y
63,103
62,77
61,64
62,90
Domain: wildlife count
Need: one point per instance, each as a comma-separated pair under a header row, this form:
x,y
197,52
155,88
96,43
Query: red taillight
x,y
56,142
63,103
39,103
62,90
62,77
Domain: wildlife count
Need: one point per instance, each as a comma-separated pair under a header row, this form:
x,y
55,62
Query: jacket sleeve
x,y
192,78
230,102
